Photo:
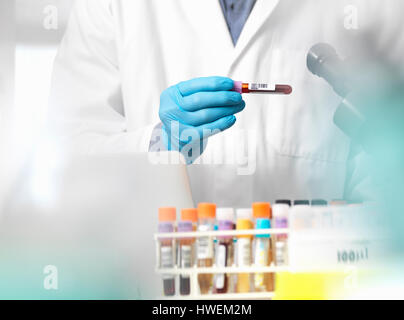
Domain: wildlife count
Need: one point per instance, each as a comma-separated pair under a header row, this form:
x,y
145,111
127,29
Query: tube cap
x,y
189,215
262,210
225,214
319,202
244,224
263,224
184,226
167,214
280,210
225,225
238,86
301,203
206,211
338,202
284,201
165,227
244,213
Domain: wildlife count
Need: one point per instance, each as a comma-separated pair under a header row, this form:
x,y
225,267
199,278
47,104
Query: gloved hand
x,y
194,110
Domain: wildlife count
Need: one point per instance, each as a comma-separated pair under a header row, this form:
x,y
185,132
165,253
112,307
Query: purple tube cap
x,y
166,227
238,86
226,225
185,226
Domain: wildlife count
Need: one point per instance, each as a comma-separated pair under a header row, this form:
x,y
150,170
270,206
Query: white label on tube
x,y
280,253
220,263
260,260
186,258
244,252
261,86
167,260
204,245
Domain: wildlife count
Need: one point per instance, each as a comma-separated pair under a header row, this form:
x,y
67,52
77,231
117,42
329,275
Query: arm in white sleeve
x,y
360,185
87,114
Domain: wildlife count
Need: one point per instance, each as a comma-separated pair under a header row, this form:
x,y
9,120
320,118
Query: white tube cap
x,y
280,210
245,213
225,214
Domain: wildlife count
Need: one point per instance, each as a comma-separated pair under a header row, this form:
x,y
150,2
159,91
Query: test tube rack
x,y
194,271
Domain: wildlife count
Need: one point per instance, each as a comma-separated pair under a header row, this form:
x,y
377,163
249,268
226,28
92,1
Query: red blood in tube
x,y
169,287
285,89
245,88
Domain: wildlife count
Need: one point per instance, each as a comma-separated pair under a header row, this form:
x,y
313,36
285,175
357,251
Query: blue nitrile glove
x,y
194,110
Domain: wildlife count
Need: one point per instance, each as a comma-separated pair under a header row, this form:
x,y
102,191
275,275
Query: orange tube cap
x,y
167,214
189,215
262,210
206,211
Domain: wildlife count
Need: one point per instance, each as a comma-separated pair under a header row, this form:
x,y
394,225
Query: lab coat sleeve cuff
x,y
147,136
156,141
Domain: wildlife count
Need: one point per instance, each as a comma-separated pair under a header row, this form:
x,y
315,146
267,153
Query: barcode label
x,y
220,262
244,252
256,86
205,248
261,260
167,261
260,86
186,258
204,245
280,248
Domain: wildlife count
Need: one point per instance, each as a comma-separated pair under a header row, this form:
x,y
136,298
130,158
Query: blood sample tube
x,y
167,218
280,221
241,214
262,88
185,256
263,257
224,250
244,255
263,211
191,215
206,222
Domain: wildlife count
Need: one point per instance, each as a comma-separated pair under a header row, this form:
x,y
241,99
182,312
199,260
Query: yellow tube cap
x,y
244,224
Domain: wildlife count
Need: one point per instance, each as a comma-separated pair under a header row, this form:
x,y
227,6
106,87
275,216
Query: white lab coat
x,y
119,55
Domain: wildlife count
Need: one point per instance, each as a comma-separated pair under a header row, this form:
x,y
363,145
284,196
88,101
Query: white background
x,y
26,58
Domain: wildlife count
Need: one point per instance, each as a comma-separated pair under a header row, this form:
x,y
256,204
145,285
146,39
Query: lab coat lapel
x,y
260,13
208,14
